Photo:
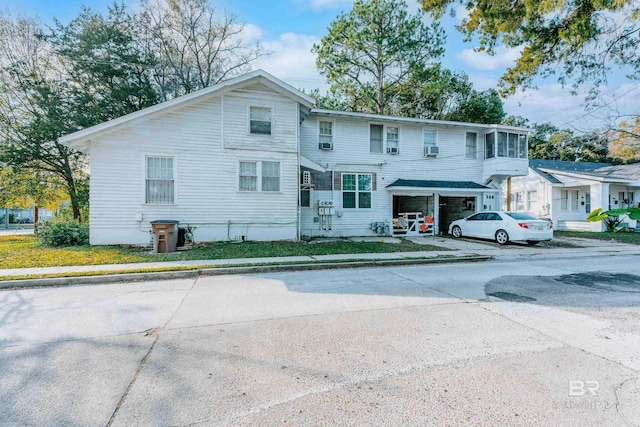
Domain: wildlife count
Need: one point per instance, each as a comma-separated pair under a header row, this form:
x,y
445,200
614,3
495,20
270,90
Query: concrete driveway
x,y
524,342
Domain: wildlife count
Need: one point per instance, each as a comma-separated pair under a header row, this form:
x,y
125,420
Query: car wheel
x,y
502,237
456,231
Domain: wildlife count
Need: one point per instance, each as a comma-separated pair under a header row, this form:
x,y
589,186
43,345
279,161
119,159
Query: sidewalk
x,y
459,250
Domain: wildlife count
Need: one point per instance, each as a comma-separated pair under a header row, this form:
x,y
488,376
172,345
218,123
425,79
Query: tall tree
x,y
192,46
82,74
32,107
574,39
369,54
441,94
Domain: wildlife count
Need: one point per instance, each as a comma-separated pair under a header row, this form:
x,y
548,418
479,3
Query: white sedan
x,y
503,227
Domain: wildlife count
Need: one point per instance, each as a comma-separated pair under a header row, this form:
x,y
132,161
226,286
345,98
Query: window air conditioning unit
x,y
431,151
306,178
393,150
326,145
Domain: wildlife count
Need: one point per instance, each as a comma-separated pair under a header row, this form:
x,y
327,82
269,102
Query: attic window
x,y
260,120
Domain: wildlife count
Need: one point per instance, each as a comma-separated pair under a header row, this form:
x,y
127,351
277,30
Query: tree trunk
x,y
35,216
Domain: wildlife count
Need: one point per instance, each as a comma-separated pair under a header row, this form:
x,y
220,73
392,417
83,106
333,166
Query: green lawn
x,y
632,238
25,251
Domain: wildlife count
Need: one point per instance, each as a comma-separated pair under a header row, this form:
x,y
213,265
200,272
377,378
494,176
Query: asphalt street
x,y
526,341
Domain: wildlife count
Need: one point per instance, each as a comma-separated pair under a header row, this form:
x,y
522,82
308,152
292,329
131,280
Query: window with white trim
x,y
564,200
325,134
270,176
471,145
505,144
393,140
248,176
429,137
159,180
376,138
260,119
259,176
532,197
356,190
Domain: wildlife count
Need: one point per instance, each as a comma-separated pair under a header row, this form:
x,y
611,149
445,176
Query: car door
x,y
473,225
492,222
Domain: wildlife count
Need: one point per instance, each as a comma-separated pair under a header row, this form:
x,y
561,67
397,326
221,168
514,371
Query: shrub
x,y
63,233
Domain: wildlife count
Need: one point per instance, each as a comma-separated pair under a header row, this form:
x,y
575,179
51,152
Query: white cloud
x,y
292,61
503,58
251,33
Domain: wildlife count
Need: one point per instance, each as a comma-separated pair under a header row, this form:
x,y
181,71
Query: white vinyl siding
x,y
260,119
159,180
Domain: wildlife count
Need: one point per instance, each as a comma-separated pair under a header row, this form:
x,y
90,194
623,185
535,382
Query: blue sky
x,y
289,28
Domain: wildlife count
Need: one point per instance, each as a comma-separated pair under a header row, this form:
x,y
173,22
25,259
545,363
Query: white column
x,y
599,199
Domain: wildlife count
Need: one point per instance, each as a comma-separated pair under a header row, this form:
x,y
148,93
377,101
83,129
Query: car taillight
x,y
523,225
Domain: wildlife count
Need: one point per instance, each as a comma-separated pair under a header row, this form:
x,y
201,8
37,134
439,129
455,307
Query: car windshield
x,y
518,215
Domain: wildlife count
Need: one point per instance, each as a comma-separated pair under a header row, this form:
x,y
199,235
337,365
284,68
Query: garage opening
x,y
453,208
413,215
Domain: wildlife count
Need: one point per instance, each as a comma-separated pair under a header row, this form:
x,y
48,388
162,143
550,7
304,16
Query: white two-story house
x,y
250,159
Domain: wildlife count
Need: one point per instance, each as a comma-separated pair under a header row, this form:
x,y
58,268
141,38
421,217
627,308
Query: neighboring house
x,y
23,216
567,192
250,159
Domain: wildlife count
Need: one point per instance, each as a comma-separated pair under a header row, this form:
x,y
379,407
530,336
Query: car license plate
x,y
540,227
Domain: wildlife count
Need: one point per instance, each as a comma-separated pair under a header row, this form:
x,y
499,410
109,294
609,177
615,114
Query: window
x,y
305,197
270,176
376,138
587,203
522,146
564,200
532,197
159,182
248,176
428,137
260,120
489,145
502,144
512,145
518,199
493,217
393,139
325,135
259,176
471,145
356,190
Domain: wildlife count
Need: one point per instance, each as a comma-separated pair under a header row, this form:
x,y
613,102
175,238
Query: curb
x,y
190,274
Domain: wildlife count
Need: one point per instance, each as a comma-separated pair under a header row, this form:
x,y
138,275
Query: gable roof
x,y
548,169
261,76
